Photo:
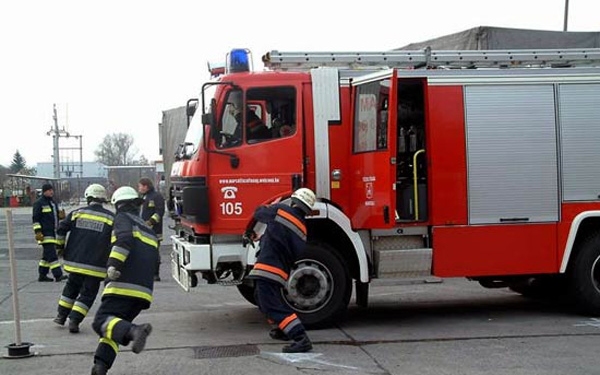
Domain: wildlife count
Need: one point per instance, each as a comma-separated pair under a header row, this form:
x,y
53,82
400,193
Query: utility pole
x,y
566,15
56,133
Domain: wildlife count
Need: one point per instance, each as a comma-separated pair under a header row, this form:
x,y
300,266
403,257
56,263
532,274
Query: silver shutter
x,y
512,153
579,109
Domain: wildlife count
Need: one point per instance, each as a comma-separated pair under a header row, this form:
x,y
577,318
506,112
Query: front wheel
x,y
319,286
585,276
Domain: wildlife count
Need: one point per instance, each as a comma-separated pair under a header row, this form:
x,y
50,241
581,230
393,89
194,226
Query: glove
x,y
150,222
60,250
249,237
61,214
113,273
39,236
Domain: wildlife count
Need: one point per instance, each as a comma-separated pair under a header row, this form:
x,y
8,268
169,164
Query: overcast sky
x,y
114,66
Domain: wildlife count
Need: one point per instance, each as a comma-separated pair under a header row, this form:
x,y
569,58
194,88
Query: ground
x,y
452,327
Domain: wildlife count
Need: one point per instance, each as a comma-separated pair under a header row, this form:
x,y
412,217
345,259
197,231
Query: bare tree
x,y
115,149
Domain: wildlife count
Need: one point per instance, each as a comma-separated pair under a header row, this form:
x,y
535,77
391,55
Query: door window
x,y
371,116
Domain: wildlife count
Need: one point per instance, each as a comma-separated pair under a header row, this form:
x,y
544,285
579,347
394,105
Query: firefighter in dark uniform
x,y
153,211
85,255
280,246
129,284
46,215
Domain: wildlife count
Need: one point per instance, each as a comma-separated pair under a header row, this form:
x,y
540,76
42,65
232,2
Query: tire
x,y
319,287
247,291
584,276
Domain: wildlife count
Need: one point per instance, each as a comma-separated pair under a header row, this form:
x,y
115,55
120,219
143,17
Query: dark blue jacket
x,y
88,246
154,208
134,253
45,218
281,244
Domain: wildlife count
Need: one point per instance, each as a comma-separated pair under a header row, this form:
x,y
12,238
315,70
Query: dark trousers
x,y
50,261
270,302
157,270
78,296
112,323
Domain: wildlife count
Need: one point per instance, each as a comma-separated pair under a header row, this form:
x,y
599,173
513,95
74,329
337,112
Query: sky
x,y
114,66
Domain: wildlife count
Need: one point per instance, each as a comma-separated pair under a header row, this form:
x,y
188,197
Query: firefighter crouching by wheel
x,y
85,255
280,246
128,287
153,210
46,215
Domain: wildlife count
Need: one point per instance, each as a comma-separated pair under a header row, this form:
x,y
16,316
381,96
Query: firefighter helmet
x,y
95,192
125,193
304,198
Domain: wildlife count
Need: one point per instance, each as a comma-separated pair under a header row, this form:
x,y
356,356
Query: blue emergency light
x,y
239,60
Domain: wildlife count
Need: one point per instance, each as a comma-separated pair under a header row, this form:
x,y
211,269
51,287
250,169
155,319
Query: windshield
x,y
195,132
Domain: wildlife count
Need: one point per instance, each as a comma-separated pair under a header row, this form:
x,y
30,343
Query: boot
x,y
73,326
301,344
139,334
278,334
60,278
43,278
60,319
99,369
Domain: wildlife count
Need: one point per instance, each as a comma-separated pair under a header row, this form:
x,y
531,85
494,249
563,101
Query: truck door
x,y
261,127
373,150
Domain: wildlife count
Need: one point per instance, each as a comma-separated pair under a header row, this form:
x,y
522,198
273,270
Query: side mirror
x,y
190,109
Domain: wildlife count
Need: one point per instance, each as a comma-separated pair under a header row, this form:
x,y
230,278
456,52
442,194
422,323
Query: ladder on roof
x,y
427,58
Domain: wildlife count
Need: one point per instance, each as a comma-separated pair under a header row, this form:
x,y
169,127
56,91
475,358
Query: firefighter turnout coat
x,y
134,252
153,209
281,244
88,245
45,219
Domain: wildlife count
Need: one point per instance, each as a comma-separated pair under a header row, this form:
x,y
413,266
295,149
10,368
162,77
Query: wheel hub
x,y
595,274
309,287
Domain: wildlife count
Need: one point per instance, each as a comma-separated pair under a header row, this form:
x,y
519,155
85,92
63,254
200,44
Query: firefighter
x,y
85,255
153,211
46,215
129,283
280,246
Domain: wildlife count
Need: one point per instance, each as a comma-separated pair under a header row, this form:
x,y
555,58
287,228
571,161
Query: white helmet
x,y
97,192
304,198
125,193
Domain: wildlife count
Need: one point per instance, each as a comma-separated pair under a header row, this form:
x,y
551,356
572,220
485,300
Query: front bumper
x,y
223,253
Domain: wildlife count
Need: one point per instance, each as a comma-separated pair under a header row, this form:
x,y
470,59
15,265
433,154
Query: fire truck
x,y
474,164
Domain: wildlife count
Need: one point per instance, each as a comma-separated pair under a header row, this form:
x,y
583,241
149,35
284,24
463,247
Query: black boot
x,y
139,334
278,334
43,278
99,369
61,278
60,319
301,344
73,326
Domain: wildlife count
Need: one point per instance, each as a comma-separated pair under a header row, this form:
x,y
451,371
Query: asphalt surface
x,y
453,327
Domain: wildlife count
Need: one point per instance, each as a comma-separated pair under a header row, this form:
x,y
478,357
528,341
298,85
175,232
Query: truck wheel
x,y
319,287
585,276
247,291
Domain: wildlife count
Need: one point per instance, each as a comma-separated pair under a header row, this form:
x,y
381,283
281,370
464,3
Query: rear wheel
x,y
585,276
319,287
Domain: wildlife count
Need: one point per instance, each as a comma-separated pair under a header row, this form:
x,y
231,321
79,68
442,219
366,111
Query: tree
x,y
18,163
115,149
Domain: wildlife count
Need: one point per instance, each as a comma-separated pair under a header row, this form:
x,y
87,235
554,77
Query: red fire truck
x,y
475,164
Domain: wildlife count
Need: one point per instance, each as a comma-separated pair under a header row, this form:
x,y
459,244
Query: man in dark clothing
x,y
128,288
153,211
85,255
46,215
280,246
